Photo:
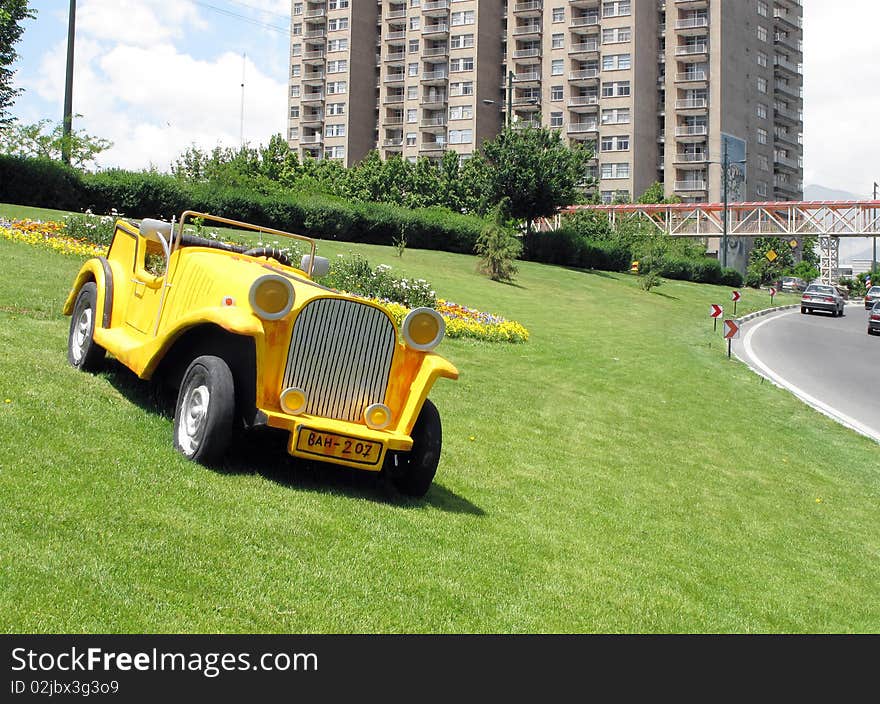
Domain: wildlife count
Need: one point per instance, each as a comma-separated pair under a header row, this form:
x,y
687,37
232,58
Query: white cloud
x,y
151,98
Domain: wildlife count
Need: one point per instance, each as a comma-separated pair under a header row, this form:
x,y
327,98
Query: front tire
x,y
205,410
412,472
82,350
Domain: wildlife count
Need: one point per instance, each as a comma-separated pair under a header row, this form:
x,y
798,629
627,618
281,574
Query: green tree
x,y
12,14
42,140
763,271
534,169
497,247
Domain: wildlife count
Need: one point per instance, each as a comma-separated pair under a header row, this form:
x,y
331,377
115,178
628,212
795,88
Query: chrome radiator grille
x,y
340,355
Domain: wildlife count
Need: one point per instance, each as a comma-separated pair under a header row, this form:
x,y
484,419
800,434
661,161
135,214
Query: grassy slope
x,y
616,473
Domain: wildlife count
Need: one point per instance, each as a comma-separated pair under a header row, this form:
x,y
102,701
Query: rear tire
x,y
803,310
205,410
82,350
412,472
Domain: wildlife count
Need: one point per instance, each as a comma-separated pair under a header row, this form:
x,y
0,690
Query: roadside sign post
x,y
731,330
715,312
735,296
772,293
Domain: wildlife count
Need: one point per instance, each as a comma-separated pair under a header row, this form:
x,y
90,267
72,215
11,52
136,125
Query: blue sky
x,y
154,76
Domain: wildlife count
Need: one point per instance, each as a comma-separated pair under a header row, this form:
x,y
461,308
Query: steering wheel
x,y
270,253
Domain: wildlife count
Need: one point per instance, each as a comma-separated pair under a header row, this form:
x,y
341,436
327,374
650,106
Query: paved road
x,y
830,363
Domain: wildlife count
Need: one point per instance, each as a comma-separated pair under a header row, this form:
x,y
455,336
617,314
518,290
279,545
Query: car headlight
x,y
271,297
377,416
293,400
423,329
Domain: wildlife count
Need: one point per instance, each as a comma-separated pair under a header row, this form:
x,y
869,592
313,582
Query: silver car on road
x,y
822,297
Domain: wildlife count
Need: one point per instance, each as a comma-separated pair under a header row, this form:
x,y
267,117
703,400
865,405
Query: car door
x,y
147,286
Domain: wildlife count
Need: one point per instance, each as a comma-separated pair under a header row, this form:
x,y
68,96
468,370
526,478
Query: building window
x,y
296,30
296,50
414,22
559,14
412,92
762,84
412,115
411,138
337,24
337,45
615,89
297,8
558,41
334,152
465,63
461,41
462,18
618,8
762,33
296,70
761,111
294,133
413,69
335,87
762,136
763,162
461,88
616,35
334,131
413,46
336,108
762,8
615,116
294,111
557,67
616,62
461,136
340,66
294,91
556,119
762,59
620,170
761,189
337,4
619,143
556,93
461,112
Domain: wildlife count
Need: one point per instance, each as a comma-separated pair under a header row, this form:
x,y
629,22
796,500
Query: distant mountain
x,y
824,193
850,247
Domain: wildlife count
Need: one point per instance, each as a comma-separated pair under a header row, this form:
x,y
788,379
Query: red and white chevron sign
x,y
731,330
715,311
735,296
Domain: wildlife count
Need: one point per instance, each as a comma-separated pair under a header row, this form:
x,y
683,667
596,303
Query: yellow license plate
x,y
313,442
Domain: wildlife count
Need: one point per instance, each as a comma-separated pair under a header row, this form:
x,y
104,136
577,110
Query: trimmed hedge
x,y
48,184
567,248
704,271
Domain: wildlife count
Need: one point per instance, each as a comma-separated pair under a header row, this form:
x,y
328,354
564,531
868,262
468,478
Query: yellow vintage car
x,y
248,338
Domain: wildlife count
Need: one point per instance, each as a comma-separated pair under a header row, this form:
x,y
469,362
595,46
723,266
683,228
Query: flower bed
x,y
460,321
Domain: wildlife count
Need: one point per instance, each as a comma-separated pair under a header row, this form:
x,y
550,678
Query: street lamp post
x,y
67,125
508,112
725,177
874,252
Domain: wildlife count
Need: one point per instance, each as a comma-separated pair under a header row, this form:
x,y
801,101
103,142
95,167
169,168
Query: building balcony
x,y
396,57
691,186
394,78
433,101
584,76
311,139
436,8
691,133
785,163
788,41
519,124
691,77
435,77
583,127
692,104
433,124
527,103
583,103
787,89
790,138
788,20
318,14
313,57
314,34
691,4
793,117
312,77
396,36
395,144
393,121
315,97
432,147
435,52
586,4
584,24
395,14
692,52
314,118
783,65
435,29
695,157
527,31
531,8
526,78
393,99
527,56
589,47
692,26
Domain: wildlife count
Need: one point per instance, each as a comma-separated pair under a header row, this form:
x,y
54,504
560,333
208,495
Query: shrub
x,y
97,229
567,247
41,183
354,275
498,249
649,281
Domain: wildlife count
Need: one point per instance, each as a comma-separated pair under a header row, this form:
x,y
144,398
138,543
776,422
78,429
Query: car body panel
x,y
824,298
205,288
872,296
874,319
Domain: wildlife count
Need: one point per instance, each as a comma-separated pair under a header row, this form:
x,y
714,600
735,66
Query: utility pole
x,y
874,254
67,127
725,165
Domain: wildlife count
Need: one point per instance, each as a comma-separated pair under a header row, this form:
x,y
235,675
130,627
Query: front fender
x,y
99,271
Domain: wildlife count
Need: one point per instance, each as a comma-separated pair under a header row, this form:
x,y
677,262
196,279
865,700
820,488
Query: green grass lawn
x,y
617,473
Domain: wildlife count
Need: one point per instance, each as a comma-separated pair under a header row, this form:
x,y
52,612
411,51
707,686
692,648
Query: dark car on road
x,y
874,319
822,297
872,296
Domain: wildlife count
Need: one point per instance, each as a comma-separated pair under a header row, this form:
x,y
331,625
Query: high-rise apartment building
x,y
660,88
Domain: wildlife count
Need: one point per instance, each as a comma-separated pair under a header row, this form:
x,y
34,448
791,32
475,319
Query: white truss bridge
x,y
827,221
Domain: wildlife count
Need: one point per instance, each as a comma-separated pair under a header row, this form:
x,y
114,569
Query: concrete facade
x,y
652,85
